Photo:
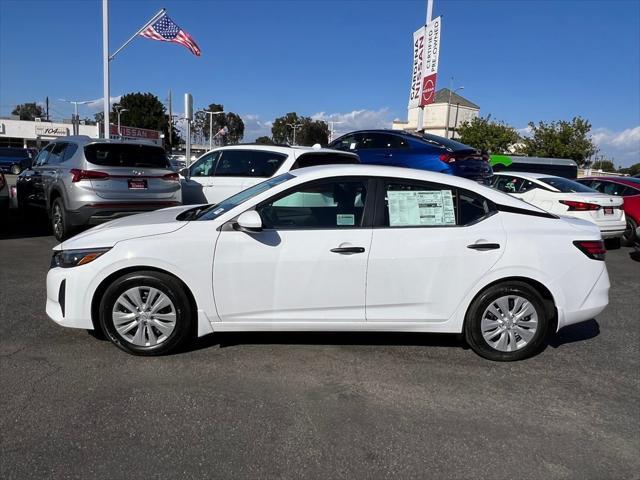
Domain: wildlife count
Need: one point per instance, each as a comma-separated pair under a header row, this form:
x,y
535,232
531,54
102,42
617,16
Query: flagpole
x,y
144,27
105,66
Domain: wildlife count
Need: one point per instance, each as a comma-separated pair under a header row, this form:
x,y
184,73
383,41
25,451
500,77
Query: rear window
x,y
126,155
323,158
445,142
566,186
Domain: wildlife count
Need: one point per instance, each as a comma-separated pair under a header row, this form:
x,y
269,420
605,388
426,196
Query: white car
x,y
225,171
340,247
565,197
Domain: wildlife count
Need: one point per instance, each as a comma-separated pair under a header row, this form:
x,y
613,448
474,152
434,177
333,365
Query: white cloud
x,y
525,131
356,120
622,146
254,127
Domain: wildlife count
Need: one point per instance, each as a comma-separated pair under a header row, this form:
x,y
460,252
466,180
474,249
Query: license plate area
x,y
608,210
137,183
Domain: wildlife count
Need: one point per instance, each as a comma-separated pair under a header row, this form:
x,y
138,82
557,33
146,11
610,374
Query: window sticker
x,y
352,146
421,208
218,211
345,219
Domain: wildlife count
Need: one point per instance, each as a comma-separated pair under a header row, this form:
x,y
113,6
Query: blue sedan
x,y
424,152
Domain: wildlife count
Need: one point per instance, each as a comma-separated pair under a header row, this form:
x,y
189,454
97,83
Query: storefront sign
x,y
134,133
50,131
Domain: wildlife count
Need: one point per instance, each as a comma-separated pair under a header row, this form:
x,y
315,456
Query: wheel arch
x,y
53,194
545,293
104,284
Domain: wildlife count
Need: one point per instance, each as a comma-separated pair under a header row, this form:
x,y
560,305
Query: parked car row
x,y
14,160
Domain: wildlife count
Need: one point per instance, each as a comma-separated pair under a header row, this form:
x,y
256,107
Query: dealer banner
x,y
430,63
416,74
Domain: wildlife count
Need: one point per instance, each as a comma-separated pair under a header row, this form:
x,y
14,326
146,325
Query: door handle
x,y
348,250
484,246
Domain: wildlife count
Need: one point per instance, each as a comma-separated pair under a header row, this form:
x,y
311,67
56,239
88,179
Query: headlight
x,y
74,258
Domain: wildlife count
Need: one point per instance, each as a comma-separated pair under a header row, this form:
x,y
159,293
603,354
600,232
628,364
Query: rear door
x,y
431,245
131,172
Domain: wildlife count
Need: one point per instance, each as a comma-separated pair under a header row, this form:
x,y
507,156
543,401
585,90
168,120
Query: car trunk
x,y
130,172
611,206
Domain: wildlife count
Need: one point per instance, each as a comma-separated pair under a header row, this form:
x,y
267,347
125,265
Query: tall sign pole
x,y
105,66
419,126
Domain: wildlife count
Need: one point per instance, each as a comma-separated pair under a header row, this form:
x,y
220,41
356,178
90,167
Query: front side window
x,y
57,154
333,204
611,188
508,184
42,157
205,166
348,142
69,151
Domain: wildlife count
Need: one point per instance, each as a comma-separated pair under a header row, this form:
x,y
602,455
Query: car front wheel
x,y
507,322
147,313
60,224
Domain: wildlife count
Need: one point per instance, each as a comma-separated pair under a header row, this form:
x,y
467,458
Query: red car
x,y
627,187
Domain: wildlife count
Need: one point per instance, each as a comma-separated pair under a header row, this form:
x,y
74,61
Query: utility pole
x,y
47,109
170,124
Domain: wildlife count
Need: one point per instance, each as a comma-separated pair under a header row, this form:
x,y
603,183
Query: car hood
x,y
147,224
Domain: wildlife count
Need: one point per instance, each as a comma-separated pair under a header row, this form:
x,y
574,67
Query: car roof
x,y
86,140
496,196
288,150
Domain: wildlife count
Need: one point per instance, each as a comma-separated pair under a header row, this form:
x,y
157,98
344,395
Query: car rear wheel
x,y
15,169
507,322
60,224
147,313
629,236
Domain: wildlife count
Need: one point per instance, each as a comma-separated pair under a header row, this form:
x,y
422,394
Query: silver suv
x,y
84,181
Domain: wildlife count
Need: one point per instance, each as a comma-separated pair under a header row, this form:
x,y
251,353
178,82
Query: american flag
x,y
165,30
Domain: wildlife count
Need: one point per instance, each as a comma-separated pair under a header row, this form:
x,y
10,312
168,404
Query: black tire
x,y
60,225
185,320
15,169
629,238
473,321
612,243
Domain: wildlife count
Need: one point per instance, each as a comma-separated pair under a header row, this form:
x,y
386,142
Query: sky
x,y
345,60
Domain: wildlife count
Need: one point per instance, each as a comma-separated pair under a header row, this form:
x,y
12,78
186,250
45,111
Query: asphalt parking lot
x,y
274,405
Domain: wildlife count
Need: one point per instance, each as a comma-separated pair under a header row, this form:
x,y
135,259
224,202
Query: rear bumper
x,y
612,232
594,303
97,213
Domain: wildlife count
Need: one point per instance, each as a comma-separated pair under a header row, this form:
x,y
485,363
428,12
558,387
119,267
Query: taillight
x,y
592,248
77,175
447,158
171,177
580,206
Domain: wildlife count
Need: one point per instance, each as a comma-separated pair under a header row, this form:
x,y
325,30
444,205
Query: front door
x,y
432,245
308,264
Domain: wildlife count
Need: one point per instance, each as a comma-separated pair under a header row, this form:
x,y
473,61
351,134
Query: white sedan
x,y
565,197
341,247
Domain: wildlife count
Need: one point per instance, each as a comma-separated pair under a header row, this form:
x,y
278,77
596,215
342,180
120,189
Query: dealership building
x,y
36,134
457,111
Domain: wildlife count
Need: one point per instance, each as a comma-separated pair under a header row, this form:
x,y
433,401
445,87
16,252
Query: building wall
x,y
435,119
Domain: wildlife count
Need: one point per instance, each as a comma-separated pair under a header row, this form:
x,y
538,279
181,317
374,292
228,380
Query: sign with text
x,y
430,63
416,74
137,133
51,131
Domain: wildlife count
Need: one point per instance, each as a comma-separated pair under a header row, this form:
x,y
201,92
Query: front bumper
x,y
63,308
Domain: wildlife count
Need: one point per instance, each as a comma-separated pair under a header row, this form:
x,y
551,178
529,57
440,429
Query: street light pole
x,y
76,119
446,131
211,114
120,110
331,124
294,126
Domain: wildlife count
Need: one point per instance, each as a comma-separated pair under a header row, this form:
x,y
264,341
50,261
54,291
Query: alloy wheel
x,y
57,221
144,316
509,323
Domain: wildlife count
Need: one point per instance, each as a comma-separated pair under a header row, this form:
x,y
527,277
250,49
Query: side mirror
x,y
249,222
185,172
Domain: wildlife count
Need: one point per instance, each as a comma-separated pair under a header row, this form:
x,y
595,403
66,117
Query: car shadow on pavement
x,y
19,225
232,339
575,333
635,255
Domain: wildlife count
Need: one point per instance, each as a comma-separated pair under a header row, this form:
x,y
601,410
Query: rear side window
x,y
249,163
69,151
611,188
508,184
427,205
323,158
126,155
565,185
57,154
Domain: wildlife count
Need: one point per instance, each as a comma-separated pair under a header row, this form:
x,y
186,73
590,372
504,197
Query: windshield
x,y
566,185
214,211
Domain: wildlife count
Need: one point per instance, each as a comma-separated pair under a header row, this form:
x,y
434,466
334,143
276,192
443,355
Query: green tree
x,y
604,165
264,140
231,120
144,110
561,139
28,111
632,170
484,134
308,132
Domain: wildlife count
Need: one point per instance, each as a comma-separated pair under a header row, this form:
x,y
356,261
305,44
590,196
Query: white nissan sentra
x,y
336,248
